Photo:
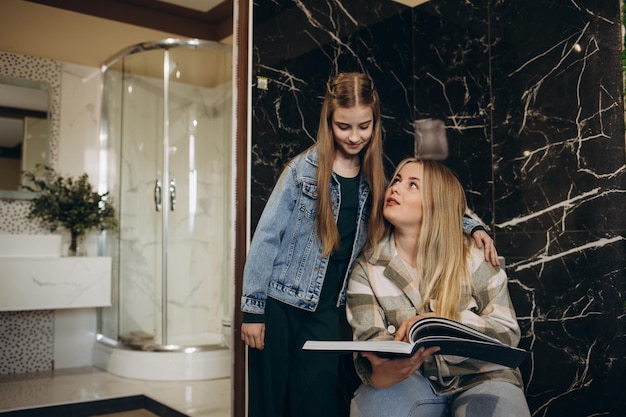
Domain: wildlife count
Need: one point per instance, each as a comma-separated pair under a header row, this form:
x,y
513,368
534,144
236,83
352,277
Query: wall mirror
x,y
24,131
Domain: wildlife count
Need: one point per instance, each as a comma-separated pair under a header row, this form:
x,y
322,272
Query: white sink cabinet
x,y
33,276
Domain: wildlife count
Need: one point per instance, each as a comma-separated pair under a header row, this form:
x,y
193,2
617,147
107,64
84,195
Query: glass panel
x,y
198,237
174,194
141,207
109,180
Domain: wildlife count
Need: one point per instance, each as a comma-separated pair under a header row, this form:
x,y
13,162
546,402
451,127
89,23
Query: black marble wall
x,y
531,92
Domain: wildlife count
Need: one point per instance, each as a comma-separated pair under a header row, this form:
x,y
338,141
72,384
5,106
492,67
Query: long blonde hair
x,y
344,91
443,249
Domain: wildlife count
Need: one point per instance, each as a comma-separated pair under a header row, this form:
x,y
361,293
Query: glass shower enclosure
x,y
166,158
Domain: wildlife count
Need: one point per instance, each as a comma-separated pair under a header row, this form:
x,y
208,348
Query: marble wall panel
x,y
451,79
559,184
531,93
297,63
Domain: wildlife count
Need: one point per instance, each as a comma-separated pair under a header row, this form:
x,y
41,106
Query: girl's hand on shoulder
x,y
253,335
483,239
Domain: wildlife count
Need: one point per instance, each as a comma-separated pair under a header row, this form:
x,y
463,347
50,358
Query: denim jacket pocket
x,y
309,196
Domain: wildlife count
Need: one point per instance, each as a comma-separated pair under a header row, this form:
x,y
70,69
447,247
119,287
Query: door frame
x,y
241,30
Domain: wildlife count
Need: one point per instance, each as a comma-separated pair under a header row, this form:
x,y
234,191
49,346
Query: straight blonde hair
x,y
344,91
443,248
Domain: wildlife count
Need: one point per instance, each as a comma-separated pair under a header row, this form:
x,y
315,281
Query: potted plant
x,y
69,203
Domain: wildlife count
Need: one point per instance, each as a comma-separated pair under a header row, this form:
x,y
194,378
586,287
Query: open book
x,y
453,338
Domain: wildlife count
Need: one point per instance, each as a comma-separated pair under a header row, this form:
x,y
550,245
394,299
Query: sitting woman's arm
x,y
490,309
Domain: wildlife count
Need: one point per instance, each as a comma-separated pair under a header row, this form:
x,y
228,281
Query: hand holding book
x,y
402,333
451,337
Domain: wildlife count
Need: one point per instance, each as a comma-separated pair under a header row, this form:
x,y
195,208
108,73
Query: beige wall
x,y
47,32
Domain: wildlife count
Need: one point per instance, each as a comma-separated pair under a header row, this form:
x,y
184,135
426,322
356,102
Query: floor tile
x,y
207,398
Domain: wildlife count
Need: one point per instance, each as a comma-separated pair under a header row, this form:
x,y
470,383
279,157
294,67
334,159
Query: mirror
x,y
24,130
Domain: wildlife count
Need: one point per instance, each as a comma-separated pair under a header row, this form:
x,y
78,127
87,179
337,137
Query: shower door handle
x,y
157,195
172,194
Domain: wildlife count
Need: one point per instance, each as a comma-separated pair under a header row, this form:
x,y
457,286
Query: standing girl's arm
x,y
261,255
477,231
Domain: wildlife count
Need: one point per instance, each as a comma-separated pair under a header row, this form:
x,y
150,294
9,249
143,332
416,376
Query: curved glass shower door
x,y
173,168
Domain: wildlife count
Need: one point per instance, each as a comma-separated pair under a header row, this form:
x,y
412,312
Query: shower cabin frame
x,y
167,194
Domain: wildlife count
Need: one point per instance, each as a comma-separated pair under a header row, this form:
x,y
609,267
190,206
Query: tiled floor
x,y
207,398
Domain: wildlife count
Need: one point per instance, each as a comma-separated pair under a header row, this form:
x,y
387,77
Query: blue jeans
x,y
415,397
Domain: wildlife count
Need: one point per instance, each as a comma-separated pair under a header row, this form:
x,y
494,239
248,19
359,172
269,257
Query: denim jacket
x,y
285,259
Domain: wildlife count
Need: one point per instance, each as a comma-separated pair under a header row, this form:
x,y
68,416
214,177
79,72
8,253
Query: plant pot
x,y
76,244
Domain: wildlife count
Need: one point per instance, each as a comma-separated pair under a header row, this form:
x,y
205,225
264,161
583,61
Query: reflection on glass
x,y
24,129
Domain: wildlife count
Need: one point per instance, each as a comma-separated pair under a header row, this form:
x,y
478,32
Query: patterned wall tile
x,y
26,341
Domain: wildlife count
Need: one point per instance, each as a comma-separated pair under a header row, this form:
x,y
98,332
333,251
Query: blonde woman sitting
x,y
421,265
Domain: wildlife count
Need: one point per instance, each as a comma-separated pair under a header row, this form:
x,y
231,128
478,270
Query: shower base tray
x,y
187,364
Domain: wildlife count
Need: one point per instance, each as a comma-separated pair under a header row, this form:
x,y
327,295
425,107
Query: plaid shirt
x,y
382,293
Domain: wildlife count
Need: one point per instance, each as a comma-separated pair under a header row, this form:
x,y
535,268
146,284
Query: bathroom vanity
x,y
33,275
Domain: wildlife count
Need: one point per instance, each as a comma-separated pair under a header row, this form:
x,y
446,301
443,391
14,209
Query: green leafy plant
x,y
68,202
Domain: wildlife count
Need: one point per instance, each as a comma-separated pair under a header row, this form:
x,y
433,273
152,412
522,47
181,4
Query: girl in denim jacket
x,y
313,227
